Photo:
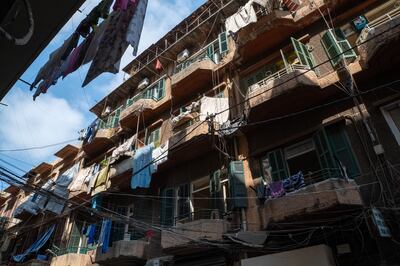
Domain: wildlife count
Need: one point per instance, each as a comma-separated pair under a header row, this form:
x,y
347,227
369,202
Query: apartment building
x,y
269,143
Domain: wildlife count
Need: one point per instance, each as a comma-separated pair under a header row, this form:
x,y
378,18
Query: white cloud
x,y
25,123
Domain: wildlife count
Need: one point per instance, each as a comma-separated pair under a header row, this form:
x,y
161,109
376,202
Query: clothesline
x,y
104,43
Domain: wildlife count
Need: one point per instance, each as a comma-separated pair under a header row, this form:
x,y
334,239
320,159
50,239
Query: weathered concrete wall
x,y
312,256
72,260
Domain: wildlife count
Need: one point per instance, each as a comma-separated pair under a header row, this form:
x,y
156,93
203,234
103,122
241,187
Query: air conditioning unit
x,y
183,56
143,84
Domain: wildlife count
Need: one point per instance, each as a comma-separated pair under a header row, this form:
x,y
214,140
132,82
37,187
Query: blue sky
x,y
58,115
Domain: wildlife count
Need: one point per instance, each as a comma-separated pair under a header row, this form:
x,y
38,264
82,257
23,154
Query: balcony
x,y
130,115
193,232
275,26
377,34
102,140
292,88
313,200
194,74
125,251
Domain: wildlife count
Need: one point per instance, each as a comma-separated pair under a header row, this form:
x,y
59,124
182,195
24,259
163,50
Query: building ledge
x,y
72,259
128,250
377,34
193,78
193,232
102,140
129,116
329,194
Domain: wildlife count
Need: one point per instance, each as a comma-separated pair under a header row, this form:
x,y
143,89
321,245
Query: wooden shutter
x,y
160,89
167,207
210,51
325,155
344,45
223,43
116,117
129,102
278,165
237,185
215,189
336,46
305,57
342,150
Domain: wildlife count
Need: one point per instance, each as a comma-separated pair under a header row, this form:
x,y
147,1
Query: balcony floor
x,y
289,93
313,201
124,253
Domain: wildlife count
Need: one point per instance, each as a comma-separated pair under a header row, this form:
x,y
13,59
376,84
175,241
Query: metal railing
x,y
199,56
281,73
383,19
199,215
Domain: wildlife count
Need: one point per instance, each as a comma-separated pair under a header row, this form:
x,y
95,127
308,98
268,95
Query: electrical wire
x,y
39,147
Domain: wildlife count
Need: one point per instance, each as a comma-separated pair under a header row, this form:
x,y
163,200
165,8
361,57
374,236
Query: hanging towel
x,y
142,167
160,155
104,238
214,105
113,44
123,150
56,58
94,44
56,204
245,16
136,25
93,177
92,232
101,181
36,246
80,179
277,189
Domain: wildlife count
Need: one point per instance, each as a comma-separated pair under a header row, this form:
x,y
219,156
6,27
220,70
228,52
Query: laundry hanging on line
x,y
104,44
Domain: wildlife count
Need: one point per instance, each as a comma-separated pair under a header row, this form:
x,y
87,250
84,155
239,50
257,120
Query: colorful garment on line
x,y
113,44
136,25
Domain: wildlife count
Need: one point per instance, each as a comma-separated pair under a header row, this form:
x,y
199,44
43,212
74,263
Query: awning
x,y
38,244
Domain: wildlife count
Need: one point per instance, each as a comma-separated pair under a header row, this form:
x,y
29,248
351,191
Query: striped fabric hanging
x,y
291,5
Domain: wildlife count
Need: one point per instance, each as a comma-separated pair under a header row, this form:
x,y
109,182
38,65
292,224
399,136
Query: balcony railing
x,y
391,15
281,73
200,215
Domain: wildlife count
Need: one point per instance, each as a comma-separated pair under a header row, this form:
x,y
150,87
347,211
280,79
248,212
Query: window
x,y
183,202
391,113
168,207
303,54
303,157
328,154
337,46
154,137
156,91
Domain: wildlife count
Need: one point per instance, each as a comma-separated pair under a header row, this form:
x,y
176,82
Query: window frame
x,y
389,120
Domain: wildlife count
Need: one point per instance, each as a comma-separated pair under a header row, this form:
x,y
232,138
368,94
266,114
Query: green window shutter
x,y
278,165
336,46
305,57
160,92
116,117
215,189
325,155
210,51
167,207
342,150
344,45
223,43
237,185
129,102
109,121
